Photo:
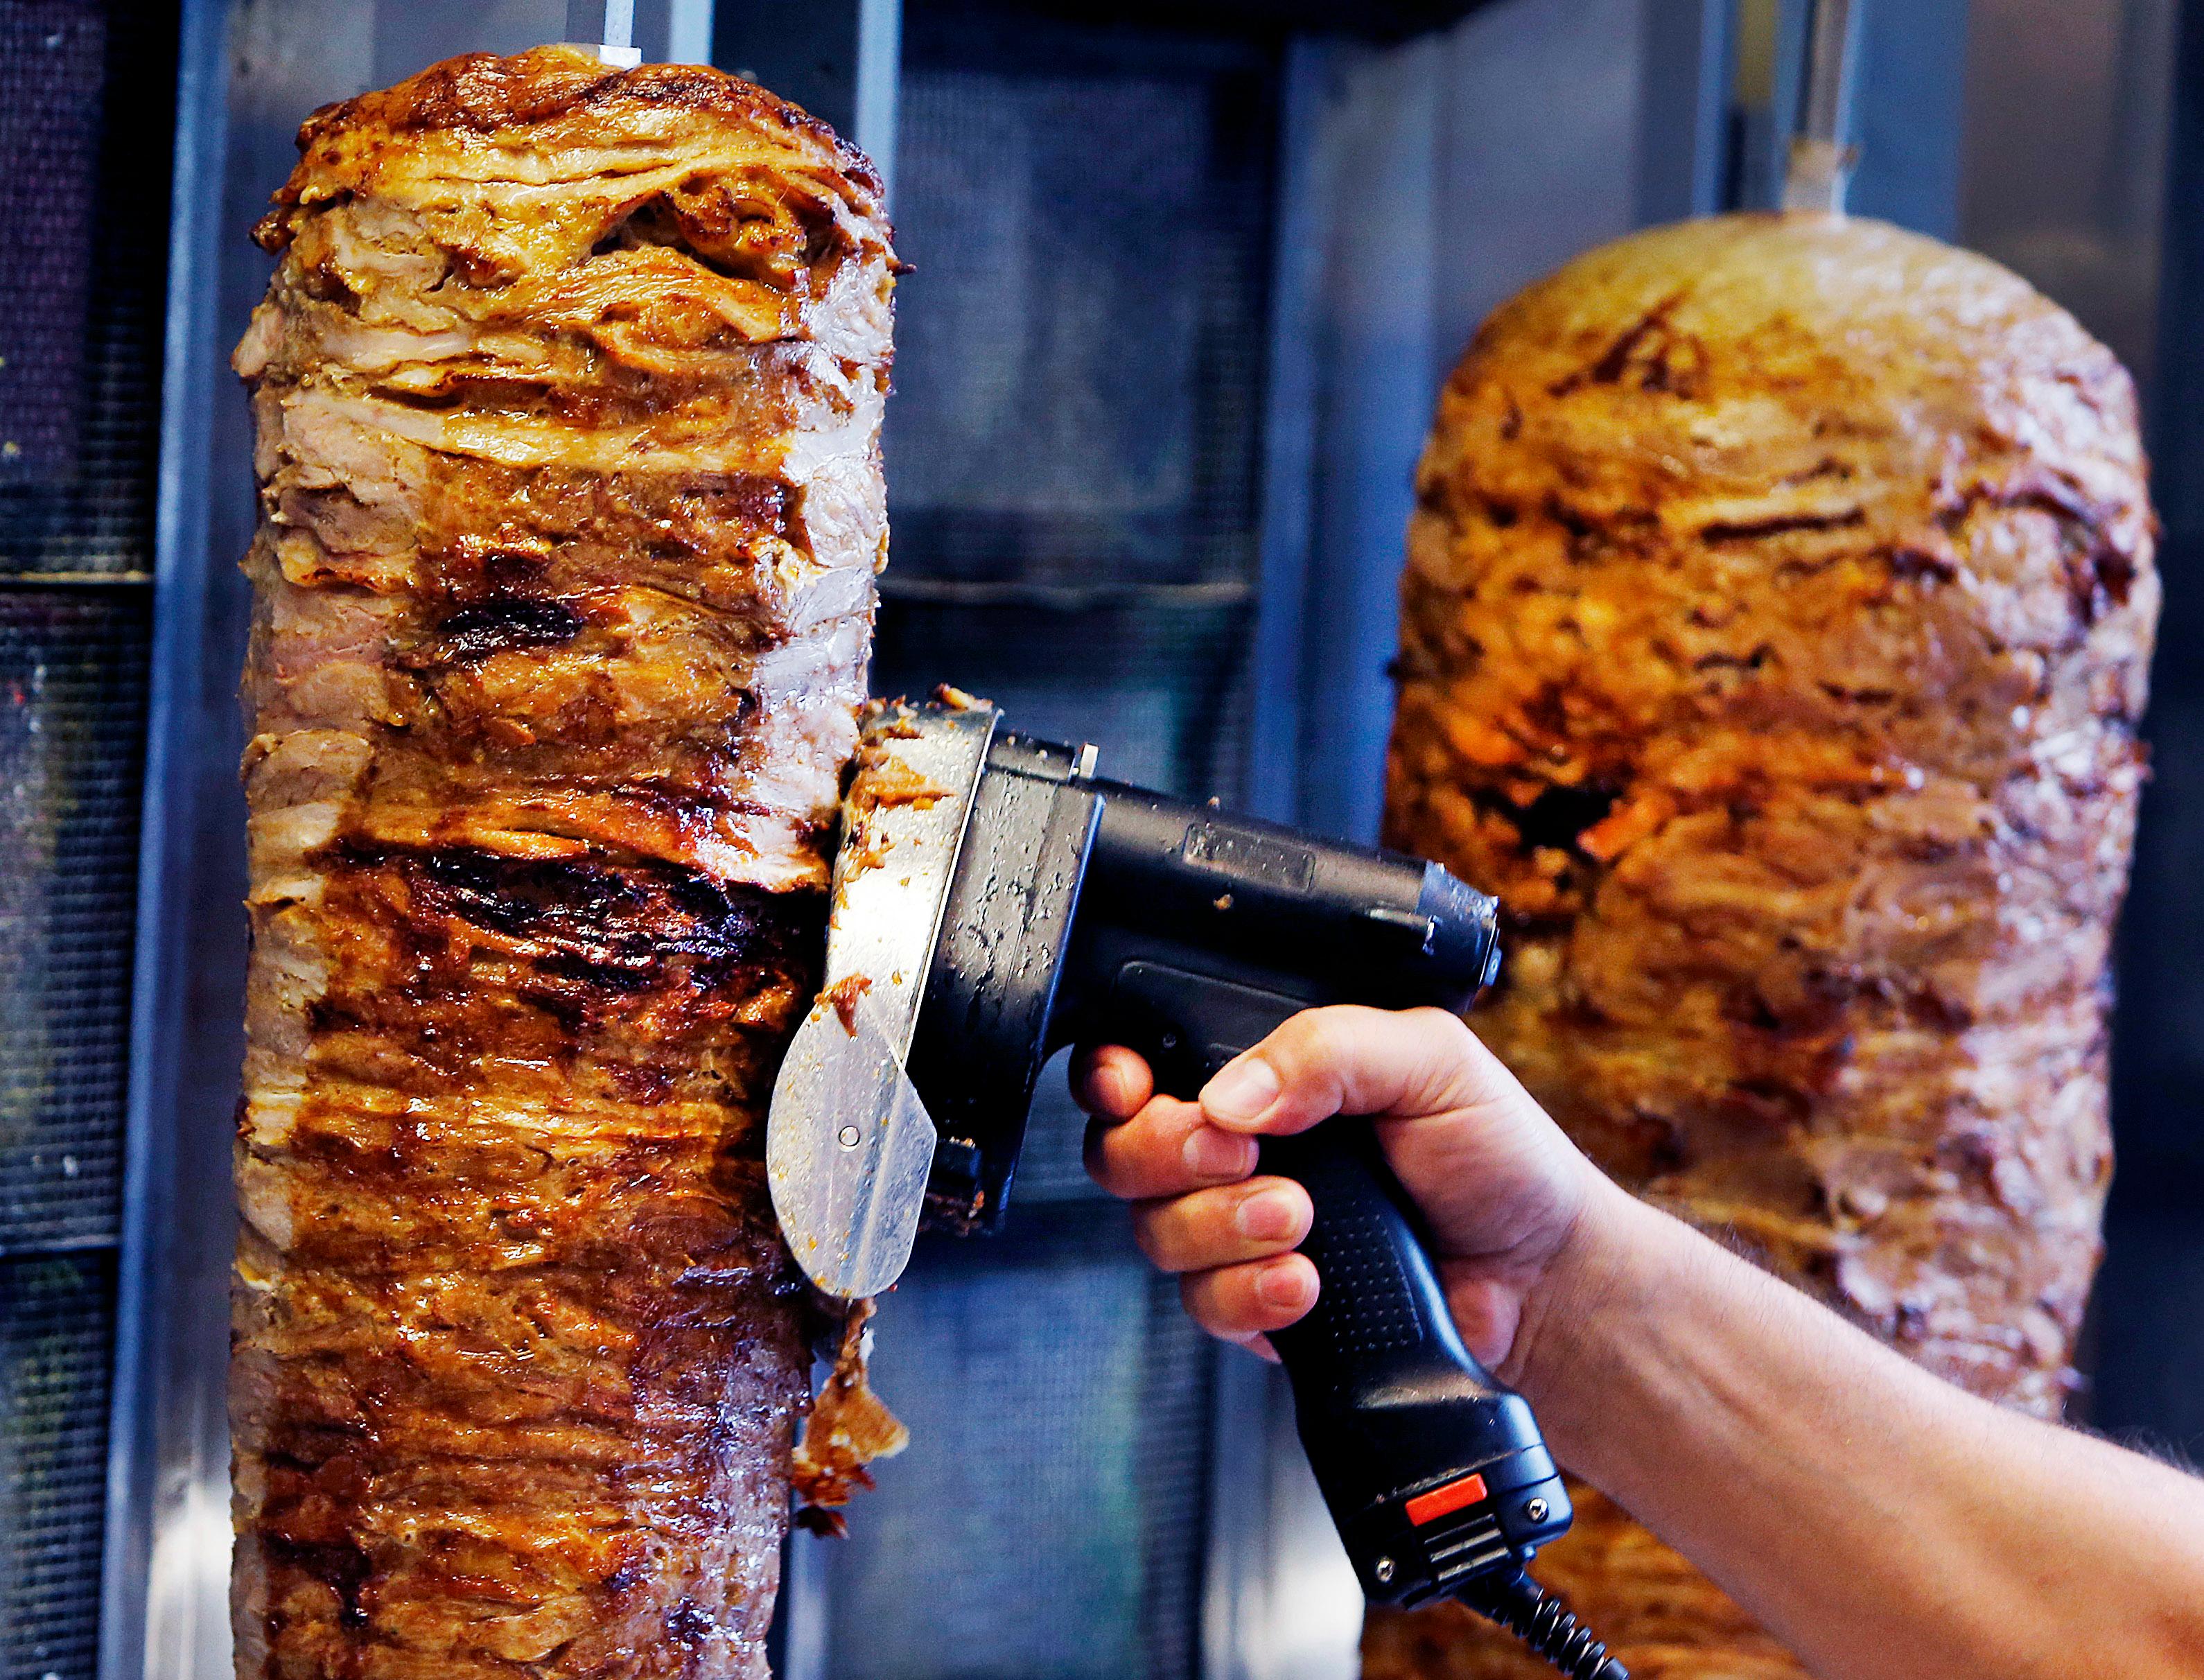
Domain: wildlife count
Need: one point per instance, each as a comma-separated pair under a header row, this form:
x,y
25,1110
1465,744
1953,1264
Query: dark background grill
x,y
57,1322
51,68
86,135
72,700
1037,1526
87,97
1079,371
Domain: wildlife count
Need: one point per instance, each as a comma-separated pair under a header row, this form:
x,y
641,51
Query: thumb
x,y
1346,1059
1492,1173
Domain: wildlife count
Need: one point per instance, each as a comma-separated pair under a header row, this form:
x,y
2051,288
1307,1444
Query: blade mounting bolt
x,y
848,1136
1383,1568
1536,1509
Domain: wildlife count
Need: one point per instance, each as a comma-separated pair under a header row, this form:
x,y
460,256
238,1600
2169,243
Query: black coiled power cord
x,y
1518,1604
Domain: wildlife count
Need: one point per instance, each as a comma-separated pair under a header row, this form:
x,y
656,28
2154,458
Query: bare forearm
x,y
1883,1524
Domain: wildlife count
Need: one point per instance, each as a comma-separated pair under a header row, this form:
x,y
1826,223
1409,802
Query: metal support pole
x,y
1823,156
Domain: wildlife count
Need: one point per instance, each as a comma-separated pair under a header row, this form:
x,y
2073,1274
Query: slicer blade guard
x,y
983,1031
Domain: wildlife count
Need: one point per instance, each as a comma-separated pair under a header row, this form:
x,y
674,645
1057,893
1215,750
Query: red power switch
x,y
1444,1501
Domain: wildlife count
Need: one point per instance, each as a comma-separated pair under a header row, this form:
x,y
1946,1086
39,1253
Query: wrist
x,y
1575,1305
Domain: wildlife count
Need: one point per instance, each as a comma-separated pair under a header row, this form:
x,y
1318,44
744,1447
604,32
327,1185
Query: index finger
x,y
1111,1082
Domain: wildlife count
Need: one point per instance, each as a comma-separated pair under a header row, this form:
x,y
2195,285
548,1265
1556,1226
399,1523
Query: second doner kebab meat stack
x,y
1779,604
568,391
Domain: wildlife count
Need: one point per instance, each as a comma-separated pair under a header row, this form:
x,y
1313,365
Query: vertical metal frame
x,y
1908,112
1274,772
1683,110
153,1599
838,59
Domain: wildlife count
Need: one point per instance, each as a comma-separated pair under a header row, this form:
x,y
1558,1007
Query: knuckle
x,y
1332,1038
1175,1233
1314,1055
1455,1066
1303,1040
1116,1166
1099,1167
1151,1233
1446,1027
1295,1052
1198,1293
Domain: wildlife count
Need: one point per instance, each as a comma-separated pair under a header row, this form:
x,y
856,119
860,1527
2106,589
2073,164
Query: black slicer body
x,y
1088,911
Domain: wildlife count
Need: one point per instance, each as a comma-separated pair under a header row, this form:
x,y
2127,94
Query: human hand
x,y
1504,1193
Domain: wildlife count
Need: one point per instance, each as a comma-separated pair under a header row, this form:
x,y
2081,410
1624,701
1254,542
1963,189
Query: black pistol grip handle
x,y
1381,1314
1434,1469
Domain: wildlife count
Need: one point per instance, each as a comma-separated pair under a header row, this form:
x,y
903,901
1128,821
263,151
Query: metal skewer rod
x,y
1822,154
618,49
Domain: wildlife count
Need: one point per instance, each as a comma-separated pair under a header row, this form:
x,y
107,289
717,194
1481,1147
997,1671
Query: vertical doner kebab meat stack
x,y
1779,604
568,390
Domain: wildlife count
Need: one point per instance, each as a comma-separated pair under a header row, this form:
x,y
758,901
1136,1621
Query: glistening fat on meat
x,y
568,389
1778,610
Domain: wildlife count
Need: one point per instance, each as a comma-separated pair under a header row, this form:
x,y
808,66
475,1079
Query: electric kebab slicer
x,y
994,901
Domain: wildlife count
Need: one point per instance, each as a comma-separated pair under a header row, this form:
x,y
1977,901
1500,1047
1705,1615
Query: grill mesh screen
x,y
79,339
1039,1527
50,76
1079,355
86,130
1156,683
72,699
55,1322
